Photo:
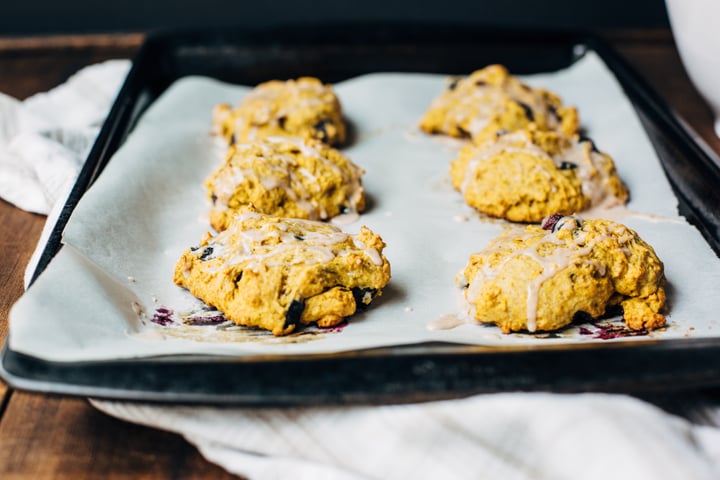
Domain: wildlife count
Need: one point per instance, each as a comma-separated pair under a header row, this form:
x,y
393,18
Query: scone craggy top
x,y
304,107
277,273
529,174
534,279
491,99
288,177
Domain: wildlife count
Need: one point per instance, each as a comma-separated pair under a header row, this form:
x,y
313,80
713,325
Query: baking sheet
x,y
149,205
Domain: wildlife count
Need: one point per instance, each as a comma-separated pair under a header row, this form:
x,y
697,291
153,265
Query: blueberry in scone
x,y
491,100
279,273
287,177
303,107
529,174
540,277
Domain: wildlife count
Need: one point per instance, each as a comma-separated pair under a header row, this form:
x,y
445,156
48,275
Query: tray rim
x,y
125,111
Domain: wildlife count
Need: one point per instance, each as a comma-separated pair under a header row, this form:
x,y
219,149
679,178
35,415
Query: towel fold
x,y
45,139
500,436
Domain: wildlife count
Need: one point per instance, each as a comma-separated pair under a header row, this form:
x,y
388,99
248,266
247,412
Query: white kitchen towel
x,y
45,139
499,436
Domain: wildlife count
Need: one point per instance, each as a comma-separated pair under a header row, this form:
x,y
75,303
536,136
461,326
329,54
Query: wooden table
x,y
49,437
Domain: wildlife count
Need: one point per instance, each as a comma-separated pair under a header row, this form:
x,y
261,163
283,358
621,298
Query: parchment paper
x,y
94,300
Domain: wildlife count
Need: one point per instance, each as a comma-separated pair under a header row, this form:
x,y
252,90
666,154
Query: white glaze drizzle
x,y
561,258
320,243
593,177
481,102
511,142
267,95
447,322
287,176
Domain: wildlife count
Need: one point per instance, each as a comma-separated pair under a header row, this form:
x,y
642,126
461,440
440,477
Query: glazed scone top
x,y
253,239
304,107
565,161
569,266
288,177
491,99
277,273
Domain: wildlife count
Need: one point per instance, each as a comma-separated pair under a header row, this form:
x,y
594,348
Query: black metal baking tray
x,y
417,372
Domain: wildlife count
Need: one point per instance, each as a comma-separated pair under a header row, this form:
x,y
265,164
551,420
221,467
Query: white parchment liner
x,y
149,205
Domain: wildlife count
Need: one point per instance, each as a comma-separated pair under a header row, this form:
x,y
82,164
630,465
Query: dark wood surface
x,y
50,437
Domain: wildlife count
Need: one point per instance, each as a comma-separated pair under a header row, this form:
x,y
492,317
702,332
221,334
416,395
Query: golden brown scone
x,y
287,177
529,174
298,108
538,279
279,273
491,100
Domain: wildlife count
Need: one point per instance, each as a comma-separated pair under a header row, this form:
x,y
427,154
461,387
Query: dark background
x,y
18,17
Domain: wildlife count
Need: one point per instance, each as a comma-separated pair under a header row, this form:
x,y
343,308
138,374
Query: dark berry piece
x,y
548,223
453,83
528,111
281,121
610,331
206,253
567,166
299,238
593,147
481,83
238,277
553,111
363,297
463,132
213,198
162,316
572,220
582,317
294,311
232,139
614,311
501,132
321,129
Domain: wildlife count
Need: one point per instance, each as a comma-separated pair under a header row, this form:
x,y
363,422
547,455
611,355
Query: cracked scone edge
x,y
538,280
277,273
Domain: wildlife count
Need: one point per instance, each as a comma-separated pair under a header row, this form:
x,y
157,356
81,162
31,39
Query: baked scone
x,y
539,279
299,108
491,99
287,177
278,273
527,175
